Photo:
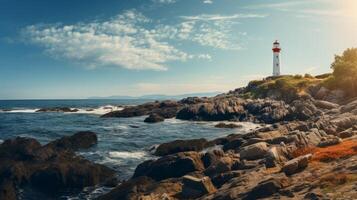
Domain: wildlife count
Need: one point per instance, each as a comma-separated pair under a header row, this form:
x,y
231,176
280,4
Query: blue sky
x,y
72,49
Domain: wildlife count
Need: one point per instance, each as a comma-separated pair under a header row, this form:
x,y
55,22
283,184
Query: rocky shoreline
x,y
308,151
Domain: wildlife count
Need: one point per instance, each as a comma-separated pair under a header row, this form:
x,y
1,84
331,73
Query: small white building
x,y
276,58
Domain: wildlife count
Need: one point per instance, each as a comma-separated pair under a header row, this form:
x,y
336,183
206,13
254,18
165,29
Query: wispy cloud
x,y
164,1
133,41
214,30
208,1
123,41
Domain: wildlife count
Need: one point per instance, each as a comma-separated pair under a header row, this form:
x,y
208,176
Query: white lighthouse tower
x,y
276,58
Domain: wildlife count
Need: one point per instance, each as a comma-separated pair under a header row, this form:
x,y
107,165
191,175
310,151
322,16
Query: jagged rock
x,y
345,121
325,142
303,109
245,164
228,125
166,109
326,105
154,118
349,107
128,189
175,165
80,140
346,133
275,156
222,165
322,93
25,163
234,144
212,157
222,178
224,109
296,165
254,151
195,187
265,189
181,146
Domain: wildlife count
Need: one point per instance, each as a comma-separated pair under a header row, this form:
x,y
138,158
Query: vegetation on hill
x,y
344,74
289,87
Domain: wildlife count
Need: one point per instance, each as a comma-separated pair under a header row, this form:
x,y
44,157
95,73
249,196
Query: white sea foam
x,y
97,111
127,154
19,111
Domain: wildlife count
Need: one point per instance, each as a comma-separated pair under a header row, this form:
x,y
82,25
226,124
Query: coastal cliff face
x,y
307,149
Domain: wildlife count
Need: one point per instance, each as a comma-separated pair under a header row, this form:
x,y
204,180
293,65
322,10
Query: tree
x,y
345,71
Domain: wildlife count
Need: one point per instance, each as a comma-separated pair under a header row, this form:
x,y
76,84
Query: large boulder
x,y
27,164
166,109
154,118
254,151
181,146
296,165
329,141
175,165
196,187
265,189
80,140
325,105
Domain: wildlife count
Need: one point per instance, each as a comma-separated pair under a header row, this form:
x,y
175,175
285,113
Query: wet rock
x,y
80,140
196,187
8,191
181,146
166,109
25,163
296,165
175,165
57,109
228,125
254,151
129,189
154,118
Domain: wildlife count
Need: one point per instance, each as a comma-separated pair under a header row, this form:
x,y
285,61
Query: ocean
x,y
123,143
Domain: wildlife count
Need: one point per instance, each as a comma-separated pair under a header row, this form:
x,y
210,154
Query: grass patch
x,y
286,87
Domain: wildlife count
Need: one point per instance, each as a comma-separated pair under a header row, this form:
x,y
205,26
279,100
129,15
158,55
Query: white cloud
x,y
213,30
122,41
208,1
133,41
164,1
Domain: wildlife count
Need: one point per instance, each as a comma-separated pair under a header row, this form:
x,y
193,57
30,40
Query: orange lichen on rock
x,y
342,150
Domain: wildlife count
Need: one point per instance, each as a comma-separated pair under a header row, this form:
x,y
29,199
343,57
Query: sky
x,y
78,49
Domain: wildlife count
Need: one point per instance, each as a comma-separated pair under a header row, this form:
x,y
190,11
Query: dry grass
x,y
342,150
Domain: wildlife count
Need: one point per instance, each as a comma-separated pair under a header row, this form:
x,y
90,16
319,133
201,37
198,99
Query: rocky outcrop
x,y
154,118
181,146
165,109
254,151
26,163
196,187
296,165
228,125
57,109
176,165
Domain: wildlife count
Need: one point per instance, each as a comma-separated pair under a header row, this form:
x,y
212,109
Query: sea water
x,y
123,143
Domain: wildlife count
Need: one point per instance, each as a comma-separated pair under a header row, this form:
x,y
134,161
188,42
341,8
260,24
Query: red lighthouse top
x,y
276,46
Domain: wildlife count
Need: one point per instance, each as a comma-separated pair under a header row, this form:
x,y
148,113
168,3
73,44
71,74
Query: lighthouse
x,y
276,58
